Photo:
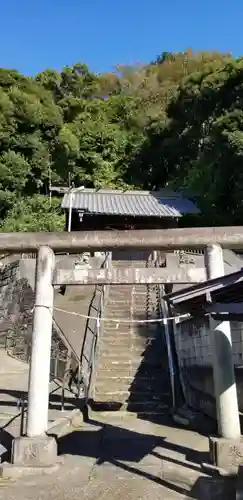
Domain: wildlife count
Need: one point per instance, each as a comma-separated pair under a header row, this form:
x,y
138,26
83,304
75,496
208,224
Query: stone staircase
x,y
132,366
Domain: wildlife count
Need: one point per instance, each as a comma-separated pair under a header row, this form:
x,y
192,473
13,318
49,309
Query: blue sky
x,y
39,34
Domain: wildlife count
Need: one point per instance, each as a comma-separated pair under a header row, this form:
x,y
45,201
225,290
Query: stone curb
x,y
11,471
74,419
57,428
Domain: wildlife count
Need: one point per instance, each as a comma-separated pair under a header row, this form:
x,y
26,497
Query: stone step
x,y
134,358
116,332
111,319
141,329
132,344
141,313
120,290
126,295
113,289
128,313
132,377
126,395
134,397
136,331
144,292
123,299
134,381
129,263
109,336
132,386
124,341
149,407
128,366
116,327
116,341
117,351
117,380
129,355
109,316
127,341
126,306
118,307
126,298
129,371
119,298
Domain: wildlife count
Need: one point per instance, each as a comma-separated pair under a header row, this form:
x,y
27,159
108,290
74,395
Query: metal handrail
x,y
93,327
168,330
71,358
65,364
65,340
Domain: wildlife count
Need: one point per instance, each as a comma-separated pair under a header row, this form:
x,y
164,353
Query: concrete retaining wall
x,y
17,281
16,299
193,346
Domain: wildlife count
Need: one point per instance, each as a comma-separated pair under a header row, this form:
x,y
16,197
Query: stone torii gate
x,y
38,449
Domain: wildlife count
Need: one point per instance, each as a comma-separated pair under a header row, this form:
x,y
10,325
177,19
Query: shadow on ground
x,y
147,456
16,415
55,400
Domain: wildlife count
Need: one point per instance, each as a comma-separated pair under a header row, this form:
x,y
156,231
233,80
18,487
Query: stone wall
x,y
194,352
16,301
17,297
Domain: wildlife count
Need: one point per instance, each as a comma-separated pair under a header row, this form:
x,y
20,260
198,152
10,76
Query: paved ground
x,y
113,458
110,458
13,386
77,299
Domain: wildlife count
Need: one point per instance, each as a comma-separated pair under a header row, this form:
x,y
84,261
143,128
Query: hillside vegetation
x,y
177,122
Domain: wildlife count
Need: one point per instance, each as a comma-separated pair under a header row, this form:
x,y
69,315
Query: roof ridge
x,y
130,192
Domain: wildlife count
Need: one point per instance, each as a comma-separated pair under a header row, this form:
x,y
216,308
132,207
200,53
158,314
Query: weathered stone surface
x,y
34,452
226,454
194,352
10,471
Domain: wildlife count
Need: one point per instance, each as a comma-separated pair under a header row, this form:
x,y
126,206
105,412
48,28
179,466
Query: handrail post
x,y
37,448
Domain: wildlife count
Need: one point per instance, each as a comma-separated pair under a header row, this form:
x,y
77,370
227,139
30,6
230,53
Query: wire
x,y
119,320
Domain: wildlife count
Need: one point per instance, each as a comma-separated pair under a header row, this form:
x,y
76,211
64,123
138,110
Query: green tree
x,y
176,121
34,214
206,140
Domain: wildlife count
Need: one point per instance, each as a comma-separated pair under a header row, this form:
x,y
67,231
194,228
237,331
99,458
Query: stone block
x,y
13,472
39,451
226,454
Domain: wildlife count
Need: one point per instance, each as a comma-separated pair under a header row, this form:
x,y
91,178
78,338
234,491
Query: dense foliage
x,y
176,122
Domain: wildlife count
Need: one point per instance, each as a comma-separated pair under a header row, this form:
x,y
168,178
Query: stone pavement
x,y
14,385
115,458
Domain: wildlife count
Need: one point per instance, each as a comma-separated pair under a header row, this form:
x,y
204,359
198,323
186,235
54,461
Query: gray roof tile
x,y
135,203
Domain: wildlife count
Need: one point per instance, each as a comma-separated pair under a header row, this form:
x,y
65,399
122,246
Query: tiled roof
x,y
135,203
224,289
